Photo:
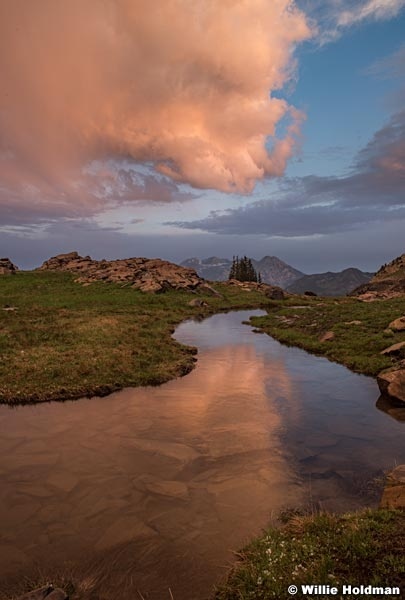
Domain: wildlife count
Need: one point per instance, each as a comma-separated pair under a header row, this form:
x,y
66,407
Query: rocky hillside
x,y
330,284
273,270
388,282
7,267
148,275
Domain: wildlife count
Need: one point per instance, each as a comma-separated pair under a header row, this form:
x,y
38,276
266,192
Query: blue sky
x,y
342,187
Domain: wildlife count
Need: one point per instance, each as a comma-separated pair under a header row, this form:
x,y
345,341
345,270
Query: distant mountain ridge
x,y
273,270
331,284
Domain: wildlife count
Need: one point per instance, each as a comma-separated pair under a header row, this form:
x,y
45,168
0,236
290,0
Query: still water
x,y
155,487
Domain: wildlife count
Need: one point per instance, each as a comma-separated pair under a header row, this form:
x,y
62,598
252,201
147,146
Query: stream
x,y
151,490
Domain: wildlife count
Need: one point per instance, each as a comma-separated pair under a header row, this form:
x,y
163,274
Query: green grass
x,y
356,346
65,341
359,548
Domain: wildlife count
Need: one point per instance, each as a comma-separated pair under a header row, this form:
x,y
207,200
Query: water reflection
x,y
396,410
156,486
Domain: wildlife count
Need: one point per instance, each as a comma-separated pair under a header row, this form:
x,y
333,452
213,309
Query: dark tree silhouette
x,y
242,269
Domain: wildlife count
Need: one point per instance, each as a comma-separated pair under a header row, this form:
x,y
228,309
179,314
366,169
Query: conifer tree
x,y
242,269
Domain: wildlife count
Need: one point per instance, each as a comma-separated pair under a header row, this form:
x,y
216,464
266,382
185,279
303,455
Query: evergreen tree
x,y
242,269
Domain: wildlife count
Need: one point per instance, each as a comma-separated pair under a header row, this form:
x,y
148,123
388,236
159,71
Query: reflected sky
x,y
166,482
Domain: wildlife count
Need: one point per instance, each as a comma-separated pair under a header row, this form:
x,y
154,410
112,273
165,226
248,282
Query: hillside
x,y
273,270
389,280
330,284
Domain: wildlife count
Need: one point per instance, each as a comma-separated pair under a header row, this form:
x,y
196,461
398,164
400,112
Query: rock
x,y
392,383
309,293
144,274
394,491
394,350
7,267
197,302
327,337
398,324
40,593
391,407
353,322
57,594
177,490
125,529
207,289
388,282
275,293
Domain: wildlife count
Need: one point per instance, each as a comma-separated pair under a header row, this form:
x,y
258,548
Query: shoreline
x,y
67,342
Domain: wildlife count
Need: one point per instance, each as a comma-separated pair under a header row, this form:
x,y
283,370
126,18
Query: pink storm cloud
x,y
183,86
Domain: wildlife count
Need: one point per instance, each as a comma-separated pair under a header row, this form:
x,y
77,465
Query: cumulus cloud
x,y
372,192
184,86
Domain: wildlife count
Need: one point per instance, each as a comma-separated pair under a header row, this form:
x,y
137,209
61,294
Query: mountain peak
x,y
273,270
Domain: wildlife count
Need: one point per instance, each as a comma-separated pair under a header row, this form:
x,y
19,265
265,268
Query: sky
x,y
176,129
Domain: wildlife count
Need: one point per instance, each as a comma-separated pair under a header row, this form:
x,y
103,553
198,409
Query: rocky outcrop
x,y
7,267
388,282
392,383
145,274
394,491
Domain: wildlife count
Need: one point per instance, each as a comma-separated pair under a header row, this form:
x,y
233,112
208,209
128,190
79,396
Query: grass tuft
x,y
325,549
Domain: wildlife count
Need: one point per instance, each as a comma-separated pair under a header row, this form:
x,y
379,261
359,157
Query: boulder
x,y
398,324
144,274
392,383
7,267
394,491
394,350
275,293
309,293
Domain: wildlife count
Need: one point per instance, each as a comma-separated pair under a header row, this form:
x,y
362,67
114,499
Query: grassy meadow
x,y
65,340
359,329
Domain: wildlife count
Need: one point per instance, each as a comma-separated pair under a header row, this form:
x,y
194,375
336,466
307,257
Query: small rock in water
x,y
57,594
394,492
47,592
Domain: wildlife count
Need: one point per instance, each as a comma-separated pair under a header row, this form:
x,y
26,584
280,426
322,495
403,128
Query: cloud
x,y
182,86
333,18
312,205
377,10
389,67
